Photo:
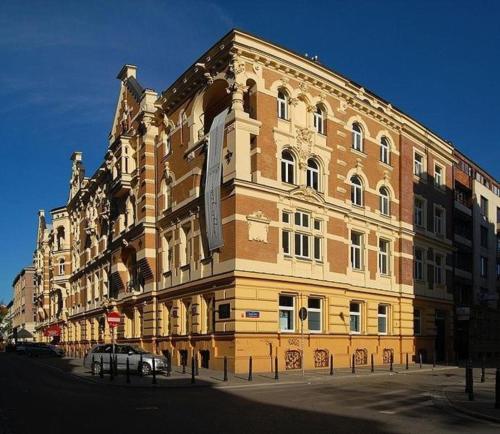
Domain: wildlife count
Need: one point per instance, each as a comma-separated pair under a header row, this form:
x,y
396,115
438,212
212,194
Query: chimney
x,y
126,72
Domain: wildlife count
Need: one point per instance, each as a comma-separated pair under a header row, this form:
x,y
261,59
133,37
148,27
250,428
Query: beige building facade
x,y
331,199
22,313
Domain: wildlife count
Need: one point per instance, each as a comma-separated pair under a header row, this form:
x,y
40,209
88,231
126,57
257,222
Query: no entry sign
x,y
113,319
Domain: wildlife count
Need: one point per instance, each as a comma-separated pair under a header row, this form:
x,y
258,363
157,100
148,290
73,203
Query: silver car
x,y
140,361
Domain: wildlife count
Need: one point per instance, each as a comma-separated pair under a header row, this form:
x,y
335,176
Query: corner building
x,y
331,199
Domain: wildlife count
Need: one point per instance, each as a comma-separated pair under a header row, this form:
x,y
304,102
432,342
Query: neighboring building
x,y
477,265
22,311
330,199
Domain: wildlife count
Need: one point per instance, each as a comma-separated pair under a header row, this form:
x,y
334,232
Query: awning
x,y
24,334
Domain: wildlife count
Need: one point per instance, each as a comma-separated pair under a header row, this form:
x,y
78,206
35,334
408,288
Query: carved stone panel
x,y
258,227
361,356
293,359
388,354
321,359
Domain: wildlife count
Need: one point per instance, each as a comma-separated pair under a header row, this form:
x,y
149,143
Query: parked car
x,y
21,347
39,349
122,352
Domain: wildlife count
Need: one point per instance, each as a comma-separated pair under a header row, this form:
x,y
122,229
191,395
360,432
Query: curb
x,y
471,413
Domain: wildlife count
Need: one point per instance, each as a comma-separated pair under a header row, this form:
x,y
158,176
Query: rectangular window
x,y
484,237
224,311
418,264
317,249
438,270
285,241
355,317
285,217
484,207
483,266
419,212
438,176
438,221
302,219
383,257
286,313
382,319
314,314
418,164
417,322
317,224
302,245
356,251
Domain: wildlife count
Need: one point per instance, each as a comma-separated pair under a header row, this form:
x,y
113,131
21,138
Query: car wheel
x,y
96,368
145,369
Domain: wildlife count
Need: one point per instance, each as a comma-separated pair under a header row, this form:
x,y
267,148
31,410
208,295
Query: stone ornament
x,y
258,227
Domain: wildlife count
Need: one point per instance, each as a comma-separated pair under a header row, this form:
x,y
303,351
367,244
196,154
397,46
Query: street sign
x,y
113,318
303,313
252,314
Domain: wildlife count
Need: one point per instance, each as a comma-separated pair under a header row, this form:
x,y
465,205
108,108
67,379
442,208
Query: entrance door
x,y
205,358
440,343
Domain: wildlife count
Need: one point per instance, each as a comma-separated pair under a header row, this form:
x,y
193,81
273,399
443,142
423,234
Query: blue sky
x,y
439,61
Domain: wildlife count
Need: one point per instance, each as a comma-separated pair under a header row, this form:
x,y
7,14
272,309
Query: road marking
x,y
387,412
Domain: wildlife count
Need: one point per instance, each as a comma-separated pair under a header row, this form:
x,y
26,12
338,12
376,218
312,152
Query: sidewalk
x,y
211,378
483,405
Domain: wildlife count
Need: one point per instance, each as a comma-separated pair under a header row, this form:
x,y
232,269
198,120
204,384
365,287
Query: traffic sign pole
x,y
302,317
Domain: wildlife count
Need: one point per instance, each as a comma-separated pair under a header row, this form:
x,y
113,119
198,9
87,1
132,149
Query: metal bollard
x,y
101,371
483,374
353,365
331,364
372,363
467,378
192,370
154,370
110,368
139,366
196,367
225,368
93,366
169,364
407,366
184,363
391,361
471,383
497,388
250,369
276,375
115,361
420,359
434,359
128,371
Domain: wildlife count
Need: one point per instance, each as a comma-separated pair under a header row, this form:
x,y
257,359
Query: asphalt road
x,y
37,399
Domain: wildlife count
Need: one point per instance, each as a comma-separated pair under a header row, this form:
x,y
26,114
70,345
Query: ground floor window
x,y
286,312
417,322
314,314
355,317
382,319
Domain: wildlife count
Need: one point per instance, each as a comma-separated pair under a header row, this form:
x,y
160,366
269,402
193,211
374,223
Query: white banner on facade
x,y
213,181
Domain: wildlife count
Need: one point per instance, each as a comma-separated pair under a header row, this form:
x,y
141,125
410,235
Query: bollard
x,y
372,364
192,370
169,364
196,367
497,388
116,365
276,375
331,364
353,365
467,379
483,374
225,368
93,366
128,371
420,359
250,369
110,368
139,366
407,367
184,363
471,383
391,362
154,370
101,371
434,359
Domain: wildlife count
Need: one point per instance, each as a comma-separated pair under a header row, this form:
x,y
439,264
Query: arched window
x,y
384,150
356,191
385,201
312,174
60,237
61,267
287,167
357,137
319,120
282,104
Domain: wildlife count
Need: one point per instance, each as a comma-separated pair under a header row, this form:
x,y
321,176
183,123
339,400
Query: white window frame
x,y
312,175
356,191
439,220
357,251
385,316
286,165
439,175
356,314
439,270
422,211
357,137
319,120
282,105
385,201
385,150
62,266
318,240
316,310
303,216
483,266
384,256
288,309
302,242
418,164
286,233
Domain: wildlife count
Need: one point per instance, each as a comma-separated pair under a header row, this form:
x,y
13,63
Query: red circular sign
x,y
113,318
